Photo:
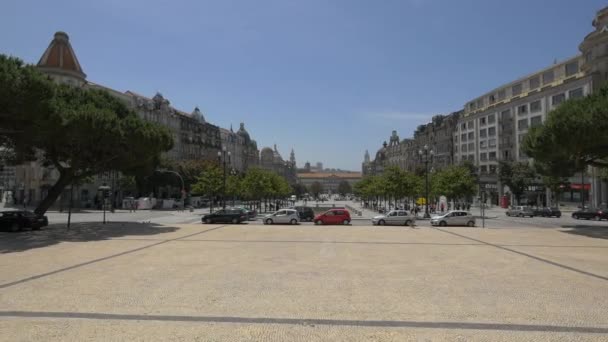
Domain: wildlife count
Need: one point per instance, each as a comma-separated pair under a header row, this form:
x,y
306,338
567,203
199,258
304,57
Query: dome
x,y
267,155
197,115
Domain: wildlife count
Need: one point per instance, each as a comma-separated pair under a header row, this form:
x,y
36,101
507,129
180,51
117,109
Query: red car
x,y
333,216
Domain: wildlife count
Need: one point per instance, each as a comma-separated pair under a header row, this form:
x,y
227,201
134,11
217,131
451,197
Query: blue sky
x,y
329,78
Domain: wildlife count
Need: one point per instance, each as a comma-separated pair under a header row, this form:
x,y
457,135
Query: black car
x,y
226,216
16,220
590,214
547,212
305,213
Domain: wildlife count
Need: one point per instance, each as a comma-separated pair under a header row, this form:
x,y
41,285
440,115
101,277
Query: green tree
x,y
454,182
298,189
517,176
344,188
574,133
79,132
209,183
316,188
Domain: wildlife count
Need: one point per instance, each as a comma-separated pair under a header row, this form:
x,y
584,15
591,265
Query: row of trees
x,y
80,132
395,185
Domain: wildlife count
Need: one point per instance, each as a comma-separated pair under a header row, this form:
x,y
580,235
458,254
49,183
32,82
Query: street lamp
x,y
426,156
222,157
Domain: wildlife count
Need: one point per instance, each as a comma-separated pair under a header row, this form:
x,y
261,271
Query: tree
x,y
454,182
316,188
298,189
209,182
344,188
517,176
79,132
574,133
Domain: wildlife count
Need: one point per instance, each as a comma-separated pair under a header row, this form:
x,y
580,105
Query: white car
x,y
283,216
454,218
395,218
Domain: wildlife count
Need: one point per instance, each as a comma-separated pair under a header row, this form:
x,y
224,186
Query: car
x,y
16,220
590,213
520,211
283,216
306,213
232,215
454,218
333,216
547,212
252,214
395,217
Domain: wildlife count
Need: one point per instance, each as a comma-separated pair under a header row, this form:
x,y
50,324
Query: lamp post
x,y
222,156
482,200
426,156
233,173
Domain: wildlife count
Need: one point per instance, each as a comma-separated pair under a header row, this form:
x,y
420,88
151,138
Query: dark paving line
x,y
546,261
24,280
308,322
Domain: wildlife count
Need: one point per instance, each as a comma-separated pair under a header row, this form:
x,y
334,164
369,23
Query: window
x,y
492,99
491,119
463,126
492,131
471,135
535,106
463,137
575,93
472,106
557,99
521,137
522,124
501,95
516,90
523,109
484,168
456,149
492,169
464,148
482,133
492,155
534,82
548,77
482,144
506,154
483,156
492,143
456,139
480,103
470,124
471,147
482,121
571,68
471,157
506,114
536,121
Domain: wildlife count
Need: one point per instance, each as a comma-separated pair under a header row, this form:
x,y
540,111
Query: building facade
x,y
243,150
271,160
329,180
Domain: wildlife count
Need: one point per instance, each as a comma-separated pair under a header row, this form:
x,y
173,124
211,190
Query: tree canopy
x,y
344,188
79,132
517,176
454,182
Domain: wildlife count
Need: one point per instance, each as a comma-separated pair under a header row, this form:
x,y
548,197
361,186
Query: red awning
x,y
575,186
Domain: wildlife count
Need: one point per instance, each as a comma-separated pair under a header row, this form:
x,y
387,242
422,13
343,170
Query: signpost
x,y
105,194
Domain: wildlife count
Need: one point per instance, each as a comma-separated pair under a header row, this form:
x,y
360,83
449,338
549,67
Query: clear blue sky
x,y
328,78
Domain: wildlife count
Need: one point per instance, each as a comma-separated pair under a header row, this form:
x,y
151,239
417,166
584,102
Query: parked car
x,y
252,214
306,213
283,216
590,213
547,212
333,216
16,220
520,211
395,218
234,215
454,218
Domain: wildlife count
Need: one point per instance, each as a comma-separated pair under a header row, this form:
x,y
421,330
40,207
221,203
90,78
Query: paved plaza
x,y
146,282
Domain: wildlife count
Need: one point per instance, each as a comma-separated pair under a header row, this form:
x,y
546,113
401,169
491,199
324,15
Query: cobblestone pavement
x,y
149,282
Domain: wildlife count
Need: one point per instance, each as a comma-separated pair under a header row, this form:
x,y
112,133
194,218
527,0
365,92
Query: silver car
x,y
520,211
395,218
283,216
454,218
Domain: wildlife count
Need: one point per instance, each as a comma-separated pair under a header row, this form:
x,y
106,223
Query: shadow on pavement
x,y
597,232
78,232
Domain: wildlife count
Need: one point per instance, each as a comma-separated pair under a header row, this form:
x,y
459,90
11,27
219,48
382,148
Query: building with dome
x,y
270,159
243,150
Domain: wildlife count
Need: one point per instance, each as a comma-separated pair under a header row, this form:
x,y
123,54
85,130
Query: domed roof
x,y
197,115
59,57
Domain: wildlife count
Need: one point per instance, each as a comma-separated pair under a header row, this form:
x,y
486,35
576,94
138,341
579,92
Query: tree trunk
x,y
54,192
